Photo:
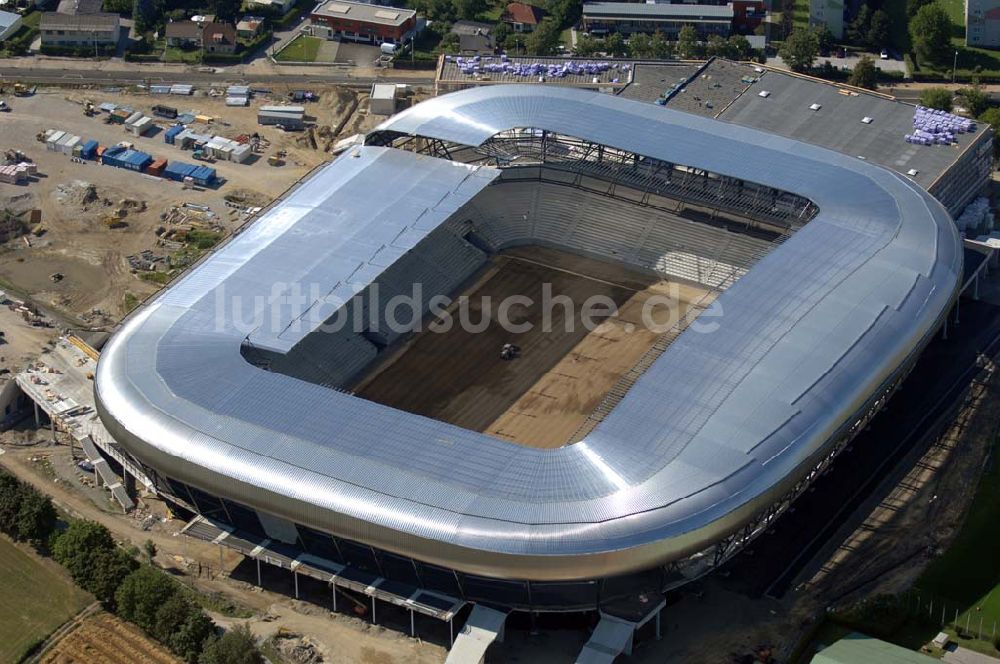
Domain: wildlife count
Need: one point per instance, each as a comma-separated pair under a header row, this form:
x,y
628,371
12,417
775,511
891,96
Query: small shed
x,y
383,99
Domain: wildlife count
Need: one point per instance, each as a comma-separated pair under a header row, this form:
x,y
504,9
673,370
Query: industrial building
x,y
10,23
363,22
628,18
289,117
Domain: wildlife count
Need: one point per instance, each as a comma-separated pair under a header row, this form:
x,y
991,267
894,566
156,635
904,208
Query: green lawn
x,y
301,49
174,54
969,59
37,600
967,576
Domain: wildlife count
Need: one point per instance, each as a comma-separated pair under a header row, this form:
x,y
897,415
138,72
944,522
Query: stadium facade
x,y
238,407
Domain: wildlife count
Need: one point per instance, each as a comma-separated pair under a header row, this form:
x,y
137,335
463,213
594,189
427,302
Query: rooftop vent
x,y
764,93
815,107
912,172
866,120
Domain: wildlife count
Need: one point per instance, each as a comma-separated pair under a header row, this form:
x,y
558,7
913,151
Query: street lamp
x,y
954,66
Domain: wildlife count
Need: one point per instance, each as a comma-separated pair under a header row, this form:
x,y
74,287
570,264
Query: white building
x,y
829,13
982,23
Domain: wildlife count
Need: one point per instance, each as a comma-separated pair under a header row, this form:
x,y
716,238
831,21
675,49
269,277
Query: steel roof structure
x,y
724,422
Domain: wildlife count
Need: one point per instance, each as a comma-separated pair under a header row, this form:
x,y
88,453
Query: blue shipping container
x,y
178,170
171,134
203,175
89,150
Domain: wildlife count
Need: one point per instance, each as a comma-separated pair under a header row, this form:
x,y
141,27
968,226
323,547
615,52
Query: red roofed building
x,y
522,17
218,38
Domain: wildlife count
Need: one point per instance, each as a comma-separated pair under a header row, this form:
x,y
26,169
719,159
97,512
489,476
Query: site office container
x,y
165,111
171,134
156,168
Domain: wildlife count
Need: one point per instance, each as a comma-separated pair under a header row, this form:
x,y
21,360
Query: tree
x,y
614,45
930,33
739,48
226,10
687,42
857,32
10,503
586,46
141,594
864,74
469,9
913,6
799,50
450,43
236,646
189,639
716,46
544,39
974,99
939,98
639,45
87,551
824,38
659,47
36,518
108,569
878,32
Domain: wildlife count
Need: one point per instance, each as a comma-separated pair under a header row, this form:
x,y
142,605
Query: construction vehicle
x,y
88,109
4,106
22,90
15,157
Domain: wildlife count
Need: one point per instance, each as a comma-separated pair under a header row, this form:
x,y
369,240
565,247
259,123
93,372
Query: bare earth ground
x,y
77,243
106,639
544,396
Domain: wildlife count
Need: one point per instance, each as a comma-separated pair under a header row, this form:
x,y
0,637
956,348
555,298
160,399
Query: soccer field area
x,y
968,574
37,600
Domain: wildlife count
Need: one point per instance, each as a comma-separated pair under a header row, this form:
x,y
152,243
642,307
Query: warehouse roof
x,y
715,430
366,13
8,19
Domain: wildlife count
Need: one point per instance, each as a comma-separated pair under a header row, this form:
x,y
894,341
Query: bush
x,y
25,514
237,646
88,552
78,51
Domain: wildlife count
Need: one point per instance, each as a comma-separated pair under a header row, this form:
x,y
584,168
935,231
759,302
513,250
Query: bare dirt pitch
x,y
543,397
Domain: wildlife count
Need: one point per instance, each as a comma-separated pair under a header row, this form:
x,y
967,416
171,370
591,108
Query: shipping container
x,y
238,91
135,117
203,175
171,134
89,149
181,89
237,101
165,111
156,168
242,153
159,89
141,126
178,170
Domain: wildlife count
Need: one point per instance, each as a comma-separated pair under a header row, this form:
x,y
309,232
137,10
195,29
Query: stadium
x,y
600,464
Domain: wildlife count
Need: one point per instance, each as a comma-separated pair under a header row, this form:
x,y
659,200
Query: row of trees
x,y
137,592
25,514
146,596
657,46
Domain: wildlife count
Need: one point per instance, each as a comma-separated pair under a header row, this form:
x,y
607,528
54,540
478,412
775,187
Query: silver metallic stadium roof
x,y
711,433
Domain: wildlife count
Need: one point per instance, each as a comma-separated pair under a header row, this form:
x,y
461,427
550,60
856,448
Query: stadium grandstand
x,y
341,453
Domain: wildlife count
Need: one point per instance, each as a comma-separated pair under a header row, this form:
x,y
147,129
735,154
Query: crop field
x,y
105,639
38,598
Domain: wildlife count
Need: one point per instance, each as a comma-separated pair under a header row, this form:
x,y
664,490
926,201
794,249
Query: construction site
x,y
71,223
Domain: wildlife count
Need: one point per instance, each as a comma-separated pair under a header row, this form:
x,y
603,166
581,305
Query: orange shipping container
x,y
156,168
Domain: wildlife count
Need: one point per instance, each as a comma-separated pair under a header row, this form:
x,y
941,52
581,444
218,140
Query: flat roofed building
x,y
861,649
361,22
79,29
630,17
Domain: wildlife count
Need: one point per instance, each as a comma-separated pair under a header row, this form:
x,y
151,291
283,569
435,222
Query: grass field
x,y
301,49
37,599
969,58
968,574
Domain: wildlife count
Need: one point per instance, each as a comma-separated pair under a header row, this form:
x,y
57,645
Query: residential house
x,y
829,13
183,34
521,17
280,6
78,30
218,38
474,38
249,27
